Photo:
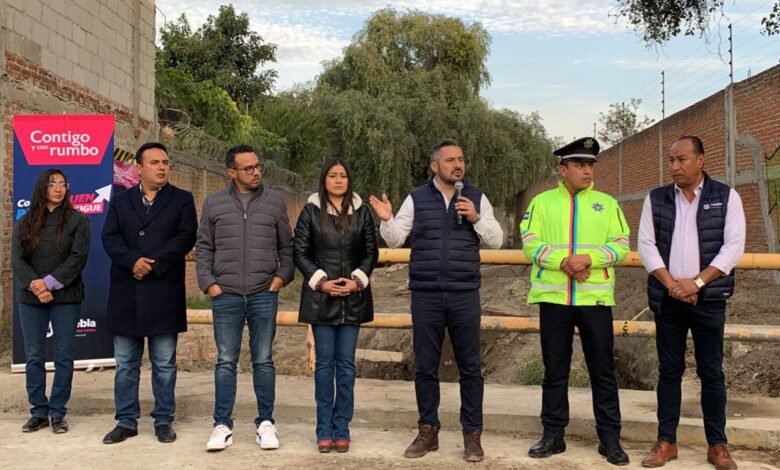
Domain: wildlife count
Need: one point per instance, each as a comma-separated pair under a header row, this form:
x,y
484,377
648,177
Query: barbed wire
x,y
177,131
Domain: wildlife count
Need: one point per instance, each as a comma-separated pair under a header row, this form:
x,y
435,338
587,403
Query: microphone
x,y
458,193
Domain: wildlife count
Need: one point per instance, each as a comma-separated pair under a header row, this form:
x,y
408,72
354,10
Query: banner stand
x,y
82,145
87,364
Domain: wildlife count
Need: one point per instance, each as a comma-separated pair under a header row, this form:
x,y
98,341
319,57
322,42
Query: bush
x,y
533,373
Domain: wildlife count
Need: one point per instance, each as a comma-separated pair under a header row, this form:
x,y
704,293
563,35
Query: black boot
x,y
546,447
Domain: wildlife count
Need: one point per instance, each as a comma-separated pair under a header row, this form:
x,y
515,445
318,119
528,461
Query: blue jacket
x,y
710,220
445,255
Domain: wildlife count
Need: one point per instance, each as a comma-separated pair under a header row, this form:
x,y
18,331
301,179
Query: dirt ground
x,y
371,448
514,358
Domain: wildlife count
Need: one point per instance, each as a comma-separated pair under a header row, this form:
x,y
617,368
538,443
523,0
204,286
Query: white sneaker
x,y
220,438
266,436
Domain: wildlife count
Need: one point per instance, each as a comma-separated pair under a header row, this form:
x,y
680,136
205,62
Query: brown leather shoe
x,y
661,453
472,446
719,456
427,440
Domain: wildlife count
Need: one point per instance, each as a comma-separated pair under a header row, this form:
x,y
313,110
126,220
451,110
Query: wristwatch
x,y
699,282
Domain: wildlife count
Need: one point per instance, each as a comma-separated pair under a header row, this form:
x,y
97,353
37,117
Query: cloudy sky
x,y
565,59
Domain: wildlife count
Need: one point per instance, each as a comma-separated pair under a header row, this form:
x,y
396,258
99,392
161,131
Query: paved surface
x,y
383,426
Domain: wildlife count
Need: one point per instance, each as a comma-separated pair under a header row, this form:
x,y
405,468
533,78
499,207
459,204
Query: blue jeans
x,y
230,312
128,352
335,347
35,320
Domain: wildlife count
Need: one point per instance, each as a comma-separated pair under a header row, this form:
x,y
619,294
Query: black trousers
x,y
459,313
556,325
705,321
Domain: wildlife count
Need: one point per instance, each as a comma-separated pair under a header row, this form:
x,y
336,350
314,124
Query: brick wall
x,y
631,169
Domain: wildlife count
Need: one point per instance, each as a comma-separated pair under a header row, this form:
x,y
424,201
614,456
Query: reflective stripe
x,y
591,287
614,253
609,254
536,255
528,236
588,247
535,285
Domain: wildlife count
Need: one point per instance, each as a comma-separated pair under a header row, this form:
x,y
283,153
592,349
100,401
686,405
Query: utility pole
x,y
731,56
661,130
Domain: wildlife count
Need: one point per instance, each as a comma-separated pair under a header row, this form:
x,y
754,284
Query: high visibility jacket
x,y
558,224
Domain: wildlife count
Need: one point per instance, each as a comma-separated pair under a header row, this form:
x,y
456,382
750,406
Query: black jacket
x,y
157,304
338,254
63,261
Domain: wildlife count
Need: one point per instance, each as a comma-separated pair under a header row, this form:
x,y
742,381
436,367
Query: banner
x,y
82,146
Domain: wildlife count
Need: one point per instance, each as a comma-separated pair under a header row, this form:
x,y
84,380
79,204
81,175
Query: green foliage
x,y
224,51
658,21
405,82
292,291
621,121
533,373
434,51
202,302
304,127
202,74
211,109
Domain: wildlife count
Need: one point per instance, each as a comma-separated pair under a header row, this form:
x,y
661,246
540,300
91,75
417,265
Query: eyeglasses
x,y
53,185
250,170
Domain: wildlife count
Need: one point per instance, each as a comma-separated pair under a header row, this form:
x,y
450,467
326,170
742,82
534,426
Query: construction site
x,y
111,70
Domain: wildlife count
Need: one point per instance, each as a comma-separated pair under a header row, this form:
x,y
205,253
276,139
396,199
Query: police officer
x,y
575,235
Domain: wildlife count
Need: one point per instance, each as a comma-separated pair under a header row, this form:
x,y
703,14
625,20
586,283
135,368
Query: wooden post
x,y
311,353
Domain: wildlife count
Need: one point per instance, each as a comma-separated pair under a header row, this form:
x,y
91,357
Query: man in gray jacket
x,y
244,256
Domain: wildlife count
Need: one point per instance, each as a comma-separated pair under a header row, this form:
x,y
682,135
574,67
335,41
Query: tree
x,y
210,109
660,20
621,121
440,50
408,80
304,127
223,50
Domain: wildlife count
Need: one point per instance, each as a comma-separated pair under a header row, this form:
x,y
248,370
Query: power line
x,y
706,77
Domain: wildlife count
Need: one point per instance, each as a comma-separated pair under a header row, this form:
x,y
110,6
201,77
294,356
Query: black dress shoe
x,y
165,433
613,452
547,447
35,423
59,425
119,434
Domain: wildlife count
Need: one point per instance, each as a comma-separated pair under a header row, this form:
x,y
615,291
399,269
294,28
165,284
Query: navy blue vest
x,y
710,220
445,255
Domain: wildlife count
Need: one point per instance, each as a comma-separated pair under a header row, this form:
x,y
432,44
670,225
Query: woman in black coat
x,y
335,248
50,247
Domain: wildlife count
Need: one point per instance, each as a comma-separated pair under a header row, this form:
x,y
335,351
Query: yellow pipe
x,y
623,328
768,261
748,261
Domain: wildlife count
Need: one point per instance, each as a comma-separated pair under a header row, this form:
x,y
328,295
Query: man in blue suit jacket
x,y
148,231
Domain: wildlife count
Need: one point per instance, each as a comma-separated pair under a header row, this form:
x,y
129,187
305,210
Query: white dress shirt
x,y
396,230
684,254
